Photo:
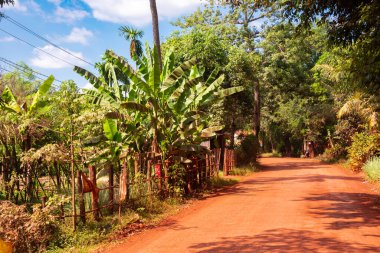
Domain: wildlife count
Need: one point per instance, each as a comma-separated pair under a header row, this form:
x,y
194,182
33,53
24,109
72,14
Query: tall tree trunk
x,y
156,32
256,116
257,108
72,168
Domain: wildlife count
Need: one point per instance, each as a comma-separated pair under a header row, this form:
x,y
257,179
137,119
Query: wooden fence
x,y
143,182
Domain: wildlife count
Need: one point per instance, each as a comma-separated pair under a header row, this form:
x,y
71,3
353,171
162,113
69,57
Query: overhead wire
x,y
22,68
13,21
44,51
9,71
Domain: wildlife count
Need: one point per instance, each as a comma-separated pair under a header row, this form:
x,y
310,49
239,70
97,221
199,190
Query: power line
x,y
9,71
14,36
41,38
22,68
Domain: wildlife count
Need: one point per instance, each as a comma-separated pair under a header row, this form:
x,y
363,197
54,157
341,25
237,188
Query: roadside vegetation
x,y
163,121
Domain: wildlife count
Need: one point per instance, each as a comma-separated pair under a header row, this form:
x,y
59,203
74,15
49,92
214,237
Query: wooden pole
x,y
94,199
225,171
110,190
126,179
148,176
72,165
82,210
43,201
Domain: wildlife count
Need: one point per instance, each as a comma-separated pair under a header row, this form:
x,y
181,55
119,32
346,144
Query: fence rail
x,y
141,181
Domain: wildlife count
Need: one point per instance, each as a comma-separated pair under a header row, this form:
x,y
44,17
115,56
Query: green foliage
x,y
170,104
246,152
335,153
364,146
372,169
178,173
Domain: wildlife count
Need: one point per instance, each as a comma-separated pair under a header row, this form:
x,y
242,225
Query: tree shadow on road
x,y
348,210
291,165
282,240
299,179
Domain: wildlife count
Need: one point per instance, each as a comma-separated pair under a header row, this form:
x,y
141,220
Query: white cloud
x,y
137,12
69,15
79,35
88,86
35,7
44,60
17,6
7,39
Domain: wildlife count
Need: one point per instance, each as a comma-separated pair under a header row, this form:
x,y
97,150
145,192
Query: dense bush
x,y
346,129
363,147
246,152
335,153
28,232
372,169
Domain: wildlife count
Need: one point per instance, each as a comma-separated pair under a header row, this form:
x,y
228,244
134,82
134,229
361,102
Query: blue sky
x,y
86,28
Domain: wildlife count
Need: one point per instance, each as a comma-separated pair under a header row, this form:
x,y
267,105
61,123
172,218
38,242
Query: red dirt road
x,y
293,205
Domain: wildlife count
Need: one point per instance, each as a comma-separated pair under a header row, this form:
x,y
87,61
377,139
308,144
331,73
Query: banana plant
x,y
27,113
38,106
170,104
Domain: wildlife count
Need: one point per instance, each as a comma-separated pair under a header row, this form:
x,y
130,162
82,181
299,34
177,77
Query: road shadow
x,y
291,164
299,179
349,210
236,189
282,241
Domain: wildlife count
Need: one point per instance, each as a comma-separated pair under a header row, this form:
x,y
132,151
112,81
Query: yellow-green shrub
x,y
364,146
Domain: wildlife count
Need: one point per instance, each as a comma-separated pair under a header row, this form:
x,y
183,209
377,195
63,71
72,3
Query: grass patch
x,y
92,234
220,181
372,169
244,170
268,155
331,160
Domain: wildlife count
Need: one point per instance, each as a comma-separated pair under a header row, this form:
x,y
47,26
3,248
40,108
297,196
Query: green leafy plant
x,y
372,169
363,147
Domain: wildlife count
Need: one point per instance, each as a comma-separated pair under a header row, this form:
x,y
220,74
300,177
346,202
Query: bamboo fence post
x,y
127,180
207,166
110,189
94,199
82,211
225,171
148,175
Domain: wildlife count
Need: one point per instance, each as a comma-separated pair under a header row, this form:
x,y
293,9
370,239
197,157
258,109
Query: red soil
x,y
293,205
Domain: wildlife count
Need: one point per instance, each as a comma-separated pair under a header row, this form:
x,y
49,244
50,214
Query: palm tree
x,y
133,35
358,106
156,32
3,2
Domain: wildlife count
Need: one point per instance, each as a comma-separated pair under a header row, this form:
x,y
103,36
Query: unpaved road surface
x,y
293,205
